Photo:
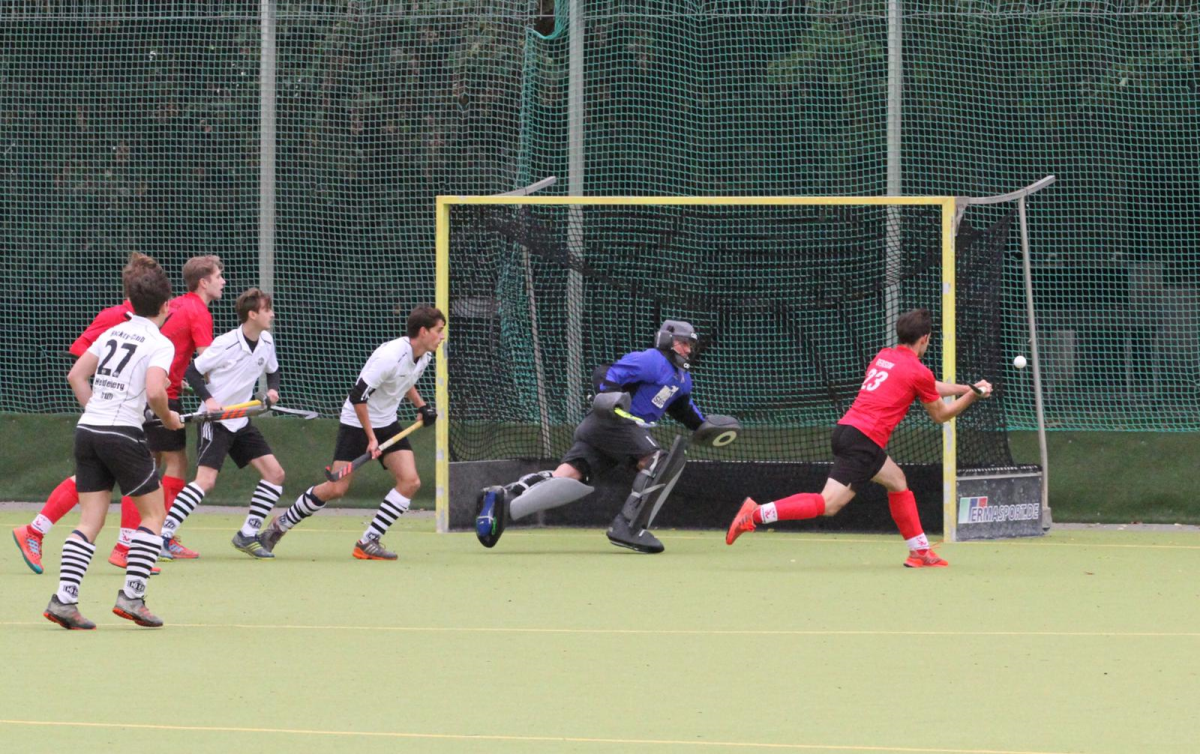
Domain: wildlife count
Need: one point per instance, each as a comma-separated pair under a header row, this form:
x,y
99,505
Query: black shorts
x,y
108,455
214,442
856,457
159,438
352,441
602,443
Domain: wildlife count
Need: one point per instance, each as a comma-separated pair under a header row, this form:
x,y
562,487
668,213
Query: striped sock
x,y
77,555
393,507
185,502
143,551
305,505
266,495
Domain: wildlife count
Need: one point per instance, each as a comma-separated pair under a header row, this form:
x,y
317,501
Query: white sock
x,y
265,496
41,524
76,557
769,513
125,538
143,551
919,542
393,506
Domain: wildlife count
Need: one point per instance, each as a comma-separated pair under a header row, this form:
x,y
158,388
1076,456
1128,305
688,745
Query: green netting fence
x,y
136,126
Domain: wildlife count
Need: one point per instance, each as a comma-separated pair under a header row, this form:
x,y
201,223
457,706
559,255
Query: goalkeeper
x,y
632,395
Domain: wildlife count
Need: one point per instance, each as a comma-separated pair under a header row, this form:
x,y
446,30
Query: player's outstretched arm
x,y
942,412
951,390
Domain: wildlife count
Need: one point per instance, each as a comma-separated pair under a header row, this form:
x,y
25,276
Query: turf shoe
x,y
621,533
67,615
173,549
924,559
491,513
29,540
120,558
742,522
135,609
270,536
372,549
251,546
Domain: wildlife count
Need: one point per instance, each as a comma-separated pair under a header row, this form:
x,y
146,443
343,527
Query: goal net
x,y
792,298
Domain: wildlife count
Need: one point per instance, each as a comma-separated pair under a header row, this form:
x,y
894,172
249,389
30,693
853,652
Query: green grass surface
x,y
558,642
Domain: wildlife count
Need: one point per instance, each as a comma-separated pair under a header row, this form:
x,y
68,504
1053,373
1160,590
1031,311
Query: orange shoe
x,y
29,540
120,558
924,559
742,522
173,549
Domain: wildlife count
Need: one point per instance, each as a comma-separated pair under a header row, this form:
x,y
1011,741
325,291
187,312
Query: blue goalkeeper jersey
x,y
653,381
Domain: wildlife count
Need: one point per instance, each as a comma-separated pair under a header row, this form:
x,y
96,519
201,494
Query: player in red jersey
x,y
895,377
189,328
65,497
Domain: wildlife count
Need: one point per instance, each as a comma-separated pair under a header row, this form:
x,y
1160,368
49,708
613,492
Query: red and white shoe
x,y
742,522
173,549
29,540
120,558
924,559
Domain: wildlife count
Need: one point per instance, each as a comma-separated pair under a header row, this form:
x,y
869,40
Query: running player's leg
x,y
143,551
403,466
255,451
29,536
351,443
185,503
903,507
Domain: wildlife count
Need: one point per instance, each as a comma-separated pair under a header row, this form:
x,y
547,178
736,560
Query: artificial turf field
x,y
556,641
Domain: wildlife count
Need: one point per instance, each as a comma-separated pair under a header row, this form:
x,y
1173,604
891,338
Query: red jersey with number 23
x,y
894,379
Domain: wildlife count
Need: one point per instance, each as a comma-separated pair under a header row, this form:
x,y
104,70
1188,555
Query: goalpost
x,y
736,267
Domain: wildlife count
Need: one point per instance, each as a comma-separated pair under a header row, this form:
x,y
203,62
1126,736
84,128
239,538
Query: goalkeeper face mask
x,y
672,332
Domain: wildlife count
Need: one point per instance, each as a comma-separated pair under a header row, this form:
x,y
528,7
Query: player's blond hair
x,y
198,268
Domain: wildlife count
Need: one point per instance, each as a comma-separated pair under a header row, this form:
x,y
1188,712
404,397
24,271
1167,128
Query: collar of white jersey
x,y
140,320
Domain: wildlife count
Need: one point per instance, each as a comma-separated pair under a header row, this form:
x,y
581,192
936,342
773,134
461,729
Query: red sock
x,y
903,506
63,499
130,518
172,486
794,508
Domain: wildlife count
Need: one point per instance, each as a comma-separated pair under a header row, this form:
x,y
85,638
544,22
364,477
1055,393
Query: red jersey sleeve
x,y
202,327
925,385
106,319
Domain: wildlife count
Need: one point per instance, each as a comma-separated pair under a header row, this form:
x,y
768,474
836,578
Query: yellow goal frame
x,y
949,355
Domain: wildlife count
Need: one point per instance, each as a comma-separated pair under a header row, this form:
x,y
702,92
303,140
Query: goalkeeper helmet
x,y
671,331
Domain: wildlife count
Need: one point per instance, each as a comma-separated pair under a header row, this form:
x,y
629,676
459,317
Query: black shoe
x,y
621,534
491,513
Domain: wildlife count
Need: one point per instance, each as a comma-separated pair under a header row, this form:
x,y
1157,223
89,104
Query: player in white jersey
x,y
123,370
369,416
227,373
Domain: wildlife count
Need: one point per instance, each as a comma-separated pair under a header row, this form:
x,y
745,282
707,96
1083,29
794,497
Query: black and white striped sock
x,y
185,502
305,505
394,506
143,551
77,555
265,496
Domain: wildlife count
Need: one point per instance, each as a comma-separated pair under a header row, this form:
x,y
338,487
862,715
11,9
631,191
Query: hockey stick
x,y
236,411
349,468
305,415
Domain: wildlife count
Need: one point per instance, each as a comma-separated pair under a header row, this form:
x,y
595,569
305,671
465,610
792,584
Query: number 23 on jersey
x,y
875,378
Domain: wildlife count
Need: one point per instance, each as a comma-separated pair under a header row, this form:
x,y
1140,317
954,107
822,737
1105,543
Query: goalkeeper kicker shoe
x,y
742,522
29,540
372,549
621,534
492,510
251,546
924,559
270,536
135,609
67,615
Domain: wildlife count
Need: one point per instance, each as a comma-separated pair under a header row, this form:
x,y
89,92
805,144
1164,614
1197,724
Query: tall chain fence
x,y
135,126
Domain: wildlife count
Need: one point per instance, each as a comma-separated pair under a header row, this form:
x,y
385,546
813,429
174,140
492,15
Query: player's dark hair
x,y
913,325
198,268
251,300
136,264
148,290
426,316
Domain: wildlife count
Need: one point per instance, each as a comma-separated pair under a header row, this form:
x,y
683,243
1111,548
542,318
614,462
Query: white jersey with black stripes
x,y
389,374
125,352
